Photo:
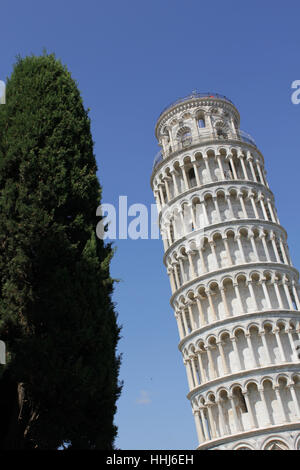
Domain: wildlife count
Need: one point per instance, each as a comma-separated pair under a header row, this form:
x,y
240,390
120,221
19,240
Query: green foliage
x,y
56,313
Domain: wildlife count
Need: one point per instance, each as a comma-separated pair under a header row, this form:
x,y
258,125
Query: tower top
x,y
192,100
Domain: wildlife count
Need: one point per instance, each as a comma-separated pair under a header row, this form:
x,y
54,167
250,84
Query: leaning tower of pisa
x,y
234,288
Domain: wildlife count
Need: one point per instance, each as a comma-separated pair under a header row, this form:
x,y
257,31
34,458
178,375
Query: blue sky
x,y
130,59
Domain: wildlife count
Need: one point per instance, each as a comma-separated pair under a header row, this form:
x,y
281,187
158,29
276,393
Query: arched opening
x,y
192,177
276,444
184,136
201,123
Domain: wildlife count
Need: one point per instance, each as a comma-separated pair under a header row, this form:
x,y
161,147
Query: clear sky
x,y
130,59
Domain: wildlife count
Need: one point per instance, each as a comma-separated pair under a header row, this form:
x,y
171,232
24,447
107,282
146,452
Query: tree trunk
x,y
15,416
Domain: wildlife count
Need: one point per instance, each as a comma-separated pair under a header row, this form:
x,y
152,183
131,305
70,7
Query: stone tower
x,y
234,288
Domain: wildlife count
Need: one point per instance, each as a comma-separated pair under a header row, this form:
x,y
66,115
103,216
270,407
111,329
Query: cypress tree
x,y
57,318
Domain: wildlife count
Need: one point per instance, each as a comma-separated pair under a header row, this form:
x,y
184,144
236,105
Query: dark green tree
x,y
57,318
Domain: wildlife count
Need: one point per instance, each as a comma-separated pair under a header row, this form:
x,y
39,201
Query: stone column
x,y
295,292
193,216
263,207
173,221
287,251
266,293
235,415
262,236
232,166
262,334
224,300
167,188
287,293
161,194
170,239
272,238
205,158
208,293
241,158
250,411
241,250
238,296
196,174
203,264
195,375
211,367
236,352
295,400
200,310
260,172
290,336
279,343
251,197
220,166
278,295
249,159
271,210
253,244
222,354
252,294
217,208
203,419
183,224
176,191
157,199
240,195
225,241
189,374
183,275
186,327
202,371
176,275
230,205
201,437
186,184
165,239
179,324
286,260
205,213
279,400
222,420
213,250
194,326
263,399
190,318
251,349
211,420
189,253
172,280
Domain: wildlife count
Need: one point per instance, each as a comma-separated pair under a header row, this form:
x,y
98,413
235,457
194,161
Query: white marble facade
x,y
234,288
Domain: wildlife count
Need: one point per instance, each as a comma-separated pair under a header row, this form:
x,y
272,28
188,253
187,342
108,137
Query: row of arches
x,y
255,404
272,443
198,213
225,248
235,294
239,348
204,168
